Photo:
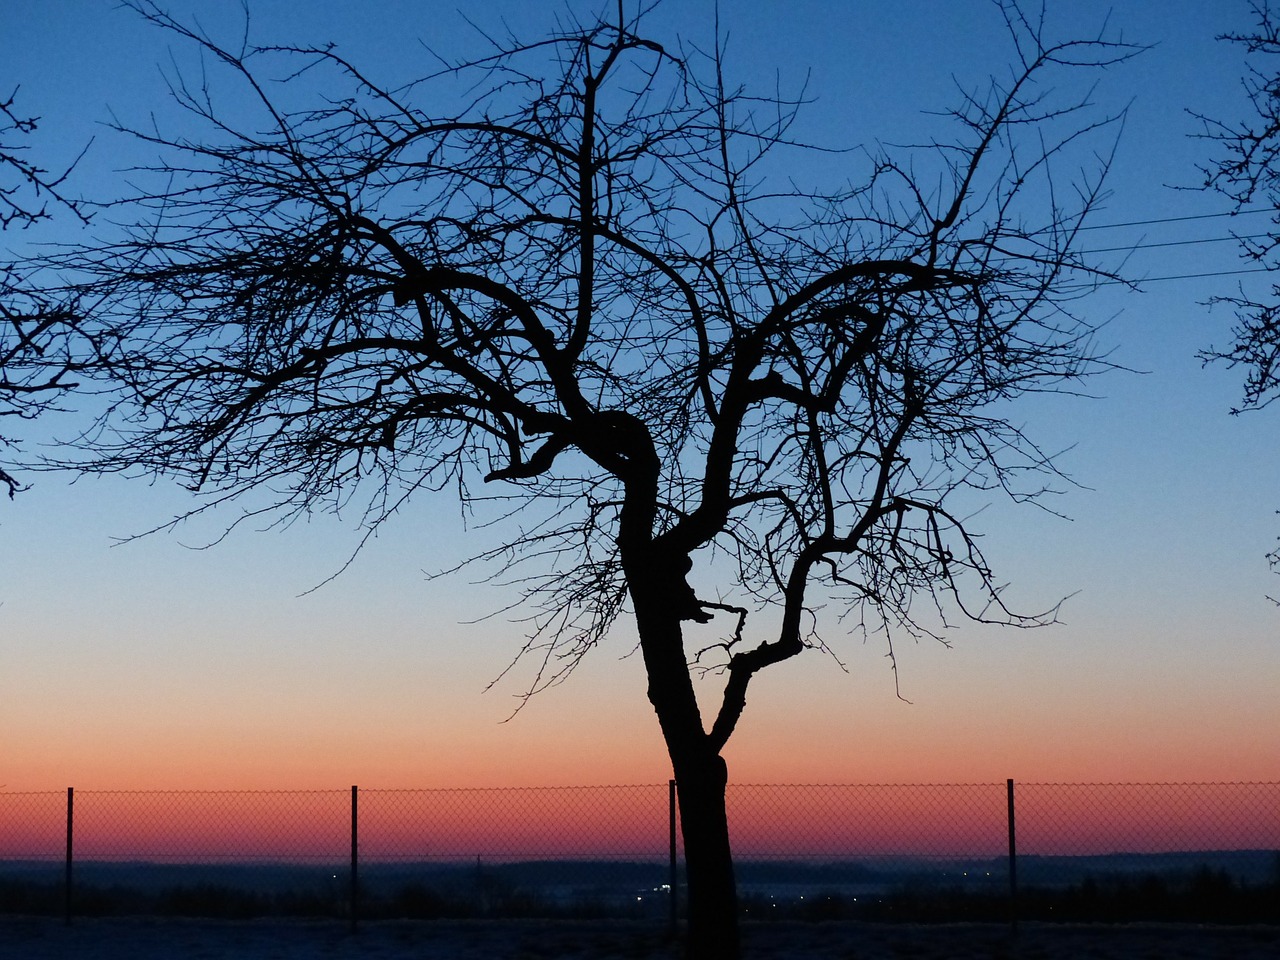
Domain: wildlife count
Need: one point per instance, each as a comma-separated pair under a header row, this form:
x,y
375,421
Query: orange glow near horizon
x,y
814,823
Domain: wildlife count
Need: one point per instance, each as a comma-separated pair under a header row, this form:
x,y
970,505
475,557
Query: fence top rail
x,y
188,793
345,791
539,789
1152,783
866,786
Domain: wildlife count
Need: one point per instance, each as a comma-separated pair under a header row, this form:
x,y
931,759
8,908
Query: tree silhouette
x,y
33,368
1248,172
740,413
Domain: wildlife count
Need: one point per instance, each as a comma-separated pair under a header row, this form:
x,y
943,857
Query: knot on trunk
x,y
684,602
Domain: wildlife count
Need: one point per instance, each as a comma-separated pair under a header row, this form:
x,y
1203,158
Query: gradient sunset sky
x,y
151,664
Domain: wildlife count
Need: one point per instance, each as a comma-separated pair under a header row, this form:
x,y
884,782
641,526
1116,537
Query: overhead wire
x,y
1126,248
1175,243
1138,282
1158,220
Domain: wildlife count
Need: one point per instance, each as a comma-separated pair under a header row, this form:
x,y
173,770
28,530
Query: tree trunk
x,y
701,776
662,600
704,824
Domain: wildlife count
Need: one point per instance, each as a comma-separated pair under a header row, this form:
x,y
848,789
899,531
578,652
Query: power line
x,y
1197,276
1198,216
1135,247
1142,281
1173,243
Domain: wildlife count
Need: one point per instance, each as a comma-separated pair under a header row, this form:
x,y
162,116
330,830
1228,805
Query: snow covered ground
x,y
141,938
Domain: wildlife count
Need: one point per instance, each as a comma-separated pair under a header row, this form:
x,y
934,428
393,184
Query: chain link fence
x,y
555,851
1185,852
865,850
1206,852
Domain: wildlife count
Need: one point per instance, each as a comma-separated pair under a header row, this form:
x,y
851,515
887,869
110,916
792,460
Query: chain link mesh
x,y
33,826
509,824
33,831
513,852
1093,819
196,826
867,821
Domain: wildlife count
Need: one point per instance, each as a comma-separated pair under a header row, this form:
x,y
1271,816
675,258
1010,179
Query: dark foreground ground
x,y
142,938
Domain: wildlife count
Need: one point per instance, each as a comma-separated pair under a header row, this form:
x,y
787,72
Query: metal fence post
x,y
674,873
71,792
1013,864
355,857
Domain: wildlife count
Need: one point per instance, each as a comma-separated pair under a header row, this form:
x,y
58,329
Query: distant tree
x,y
33,370
1248,172
737,412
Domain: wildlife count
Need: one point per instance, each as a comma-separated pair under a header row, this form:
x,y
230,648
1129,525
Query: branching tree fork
x,y
741,413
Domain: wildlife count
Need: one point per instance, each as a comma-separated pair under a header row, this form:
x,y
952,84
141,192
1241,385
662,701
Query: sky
x,y
152,664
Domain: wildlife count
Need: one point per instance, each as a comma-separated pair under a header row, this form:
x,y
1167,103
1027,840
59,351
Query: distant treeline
x,y
1203,896
1227,887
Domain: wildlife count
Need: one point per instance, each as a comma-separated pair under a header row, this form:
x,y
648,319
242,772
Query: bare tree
x,y
1248,172
742,414
33,368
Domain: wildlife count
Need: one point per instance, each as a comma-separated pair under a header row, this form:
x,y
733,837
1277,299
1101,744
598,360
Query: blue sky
x,y
153,664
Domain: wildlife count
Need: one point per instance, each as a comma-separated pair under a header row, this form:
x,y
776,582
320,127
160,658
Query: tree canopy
x,y
577,272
